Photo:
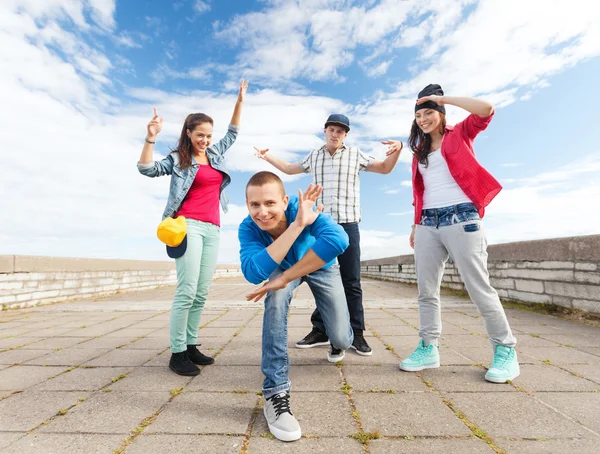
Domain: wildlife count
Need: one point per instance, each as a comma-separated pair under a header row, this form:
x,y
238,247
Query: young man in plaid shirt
x,y
336,167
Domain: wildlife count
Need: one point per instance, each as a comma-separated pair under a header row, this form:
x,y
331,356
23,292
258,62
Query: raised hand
x,y
262,154
439,100
242,92
275,284
393,146
155,125
306,216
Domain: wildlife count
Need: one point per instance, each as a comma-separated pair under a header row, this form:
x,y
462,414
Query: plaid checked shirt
x,y
338,174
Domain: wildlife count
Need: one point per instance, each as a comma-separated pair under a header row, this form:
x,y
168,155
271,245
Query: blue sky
x,y
79,80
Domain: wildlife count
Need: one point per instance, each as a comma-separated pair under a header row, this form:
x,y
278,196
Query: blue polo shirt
x,y
324,236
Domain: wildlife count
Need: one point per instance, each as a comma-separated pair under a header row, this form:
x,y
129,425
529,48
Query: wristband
x,y
148,141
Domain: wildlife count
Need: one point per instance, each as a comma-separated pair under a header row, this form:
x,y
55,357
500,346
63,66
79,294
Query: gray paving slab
x,y
560,355
510,415
123,357
590,372
263,445
104,342
22,377
197,444
383,377
551,378
151,379
20,355
407,414
549,446
27,410
68,357
228,378
582,407
7,438
108,413
333,418
37,443
52,343
83,379
131,333
463,379
428,446
206,413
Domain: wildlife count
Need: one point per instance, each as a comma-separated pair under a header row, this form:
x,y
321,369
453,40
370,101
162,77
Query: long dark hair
x,y
420,143
184,145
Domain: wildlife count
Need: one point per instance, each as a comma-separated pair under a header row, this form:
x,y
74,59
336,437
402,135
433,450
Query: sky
x,y
79,79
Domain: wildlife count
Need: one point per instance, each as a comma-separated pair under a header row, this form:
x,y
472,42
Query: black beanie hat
x,y
431,89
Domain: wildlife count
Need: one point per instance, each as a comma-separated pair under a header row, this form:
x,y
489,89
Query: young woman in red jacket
x,y
450,192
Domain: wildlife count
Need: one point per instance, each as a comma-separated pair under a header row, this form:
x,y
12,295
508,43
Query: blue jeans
x,y
445,216
326,286
349,262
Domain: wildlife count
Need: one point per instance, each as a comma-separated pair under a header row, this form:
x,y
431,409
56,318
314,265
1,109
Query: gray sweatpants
x,y
468,250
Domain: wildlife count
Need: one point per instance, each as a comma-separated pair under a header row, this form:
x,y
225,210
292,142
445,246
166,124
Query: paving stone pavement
x,y
92,377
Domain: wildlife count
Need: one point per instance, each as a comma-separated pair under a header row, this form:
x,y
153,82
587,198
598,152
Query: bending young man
x,y
284,240
336,167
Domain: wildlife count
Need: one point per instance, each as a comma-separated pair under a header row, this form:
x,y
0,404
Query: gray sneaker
x,y
282,422
335,355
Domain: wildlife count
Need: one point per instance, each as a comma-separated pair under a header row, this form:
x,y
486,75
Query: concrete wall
x,y
28,281
562,271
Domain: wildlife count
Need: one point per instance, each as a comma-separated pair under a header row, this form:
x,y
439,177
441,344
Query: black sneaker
x,y
197,357
315,338
181,364
360,345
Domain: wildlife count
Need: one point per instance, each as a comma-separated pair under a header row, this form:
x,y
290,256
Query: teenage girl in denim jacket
x,y
451,190
198,179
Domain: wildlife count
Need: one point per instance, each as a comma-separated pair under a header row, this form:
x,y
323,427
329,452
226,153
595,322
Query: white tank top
x,y
441,190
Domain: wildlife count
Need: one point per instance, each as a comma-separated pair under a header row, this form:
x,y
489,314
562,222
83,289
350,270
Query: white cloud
x,y
201,7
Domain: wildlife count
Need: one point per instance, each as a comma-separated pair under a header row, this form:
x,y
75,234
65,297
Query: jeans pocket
x,y
468,228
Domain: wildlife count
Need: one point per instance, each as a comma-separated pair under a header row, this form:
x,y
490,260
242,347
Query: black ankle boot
x,y
198,358
181,364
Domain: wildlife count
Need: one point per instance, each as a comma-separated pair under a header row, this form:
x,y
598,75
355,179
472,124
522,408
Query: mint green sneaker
x,y
505,365
422,358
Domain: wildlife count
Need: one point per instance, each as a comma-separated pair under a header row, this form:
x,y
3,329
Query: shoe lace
x,y
313,335
360,341
281,403
501,357
420,353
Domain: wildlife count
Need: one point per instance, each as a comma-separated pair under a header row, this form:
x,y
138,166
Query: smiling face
x,y
266,205
201,137
429,120
334,136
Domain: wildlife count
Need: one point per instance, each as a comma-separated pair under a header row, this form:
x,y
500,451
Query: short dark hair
x,y
265,177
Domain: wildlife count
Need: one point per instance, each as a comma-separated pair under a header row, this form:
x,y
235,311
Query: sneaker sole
x,y
317,344
361,353
418,369
283,435
204,364
336,359
186,374
501,380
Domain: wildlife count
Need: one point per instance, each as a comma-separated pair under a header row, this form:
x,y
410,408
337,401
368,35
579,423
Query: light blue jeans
x,y
195,270
326,286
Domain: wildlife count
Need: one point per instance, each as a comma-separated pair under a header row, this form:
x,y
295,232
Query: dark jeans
x,y
350,270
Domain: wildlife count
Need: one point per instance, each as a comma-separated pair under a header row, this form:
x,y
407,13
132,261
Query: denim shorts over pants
x,y
458,232
326,286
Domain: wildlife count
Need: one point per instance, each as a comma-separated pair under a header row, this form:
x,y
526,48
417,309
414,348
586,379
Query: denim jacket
x,y
181,179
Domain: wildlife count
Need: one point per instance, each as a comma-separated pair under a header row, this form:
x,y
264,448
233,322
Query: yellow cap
x,y
172,231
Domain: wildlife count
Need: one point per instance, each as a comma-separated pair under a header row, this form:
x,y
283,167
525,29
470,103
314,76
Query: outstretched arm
x,y
237,111
392,155
279,164
475,106
154,127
